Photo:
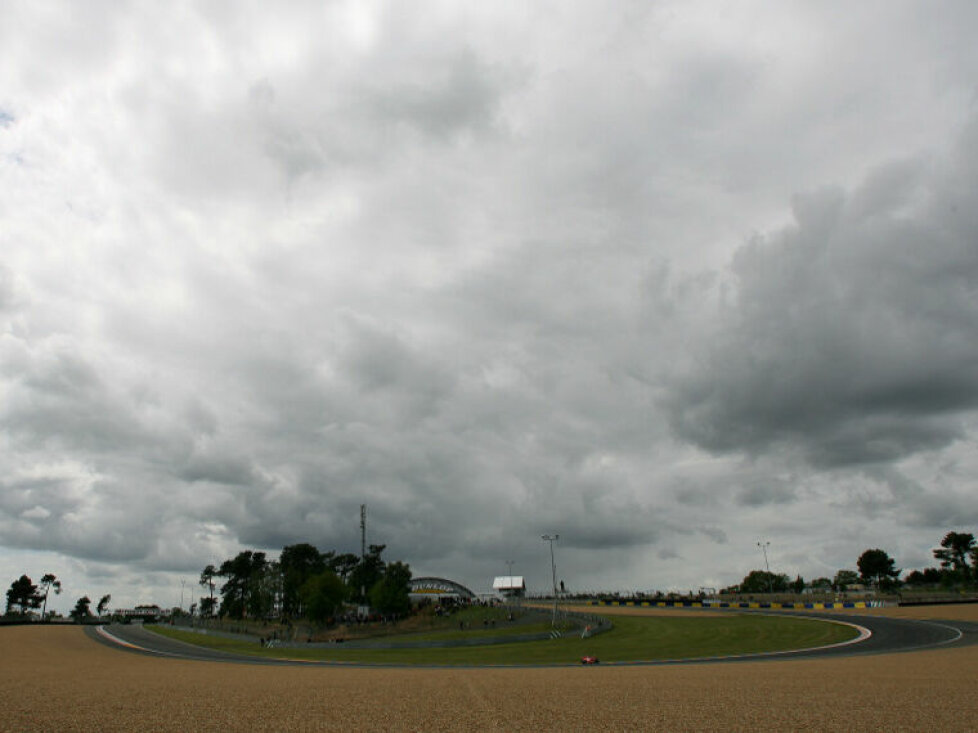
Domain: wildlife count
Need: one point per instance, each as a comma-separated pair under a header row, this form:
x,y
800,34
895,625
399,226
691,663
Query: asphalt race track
x,y
886,635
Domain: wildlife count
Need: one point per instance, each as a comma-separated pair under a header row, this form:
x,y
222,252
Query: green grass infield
x,y
633,639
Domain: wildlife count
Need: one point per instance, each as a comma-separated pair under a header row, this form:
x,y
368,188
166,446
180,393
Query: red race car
x,y
590,660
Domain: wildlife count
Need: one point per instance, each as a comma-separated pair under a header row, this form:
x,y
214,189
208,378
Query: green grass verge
x,y
632,639
475,632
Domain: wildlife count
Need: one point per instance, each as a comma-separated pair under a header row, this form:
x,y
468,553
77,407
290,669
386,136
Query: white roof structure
x,y
508,582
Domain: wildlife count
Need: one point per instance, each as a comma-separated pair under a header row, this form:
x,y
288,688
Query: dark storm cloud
x,y
852,335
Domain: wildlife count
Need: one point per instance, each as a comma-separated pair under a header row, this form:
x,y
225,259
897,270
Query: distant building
x,y
509,586
142,613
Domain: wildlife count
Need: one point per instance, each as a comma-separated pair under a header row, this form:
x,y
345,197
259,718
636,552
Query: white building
x,y
509,586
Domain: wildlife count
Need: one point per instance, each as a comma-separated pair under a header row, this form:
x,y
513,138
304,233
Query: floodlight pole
x,y
770,582
551,538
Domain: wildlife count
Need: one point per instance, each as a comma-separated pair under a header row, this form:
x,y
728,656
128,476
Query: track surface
x,y
887,635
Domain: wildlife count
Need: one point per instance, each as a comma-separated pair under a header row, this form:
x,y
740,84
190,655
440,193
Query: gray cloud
x,y
61,401
760,494
494,273
715,534
456,95
7,292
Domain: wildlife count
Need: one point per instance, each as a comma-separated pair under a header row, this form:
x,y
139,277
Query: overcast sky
x,y
666,278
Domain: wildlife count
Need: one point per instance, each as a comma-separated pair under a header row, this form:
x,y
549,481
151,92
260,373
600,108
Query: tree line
x,y
25,596
957,555
958,558
304,583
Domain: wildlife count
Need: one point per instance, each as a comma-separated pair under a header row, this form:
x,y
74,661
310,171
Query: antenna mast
x,y
363,531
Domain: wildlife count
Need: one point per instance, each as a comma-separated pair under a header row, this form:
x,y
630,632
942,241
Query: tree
x,y
956,549
23,594
822,584
343,564
207,576
321,596
82,609
264,590
243,589
876,566
207,606
367,573
103,603
761,581
48,581
390,595
298,563
929,576
845,578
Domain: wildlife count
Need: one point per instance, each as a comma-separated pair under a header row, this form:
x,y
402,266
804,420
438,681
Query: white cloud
x,y
36,512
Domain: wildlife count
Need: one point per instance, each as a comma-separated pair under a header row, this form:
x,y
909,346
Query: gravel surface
x,y
57,679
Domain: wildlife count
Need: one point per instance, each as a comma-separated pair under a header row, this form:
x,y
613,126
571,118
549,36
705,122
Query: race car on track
x,y
590,660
